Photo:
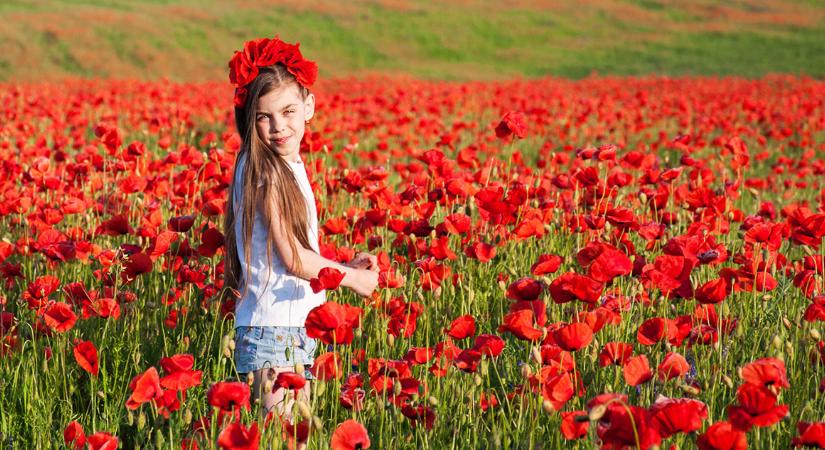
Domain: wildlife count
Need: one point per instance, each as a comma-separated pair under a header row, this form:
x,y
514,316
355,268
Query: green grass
x,y
451,42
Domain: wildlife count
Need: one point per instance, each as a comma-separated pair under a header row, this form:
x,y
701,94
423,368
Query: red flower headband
x,y
243,67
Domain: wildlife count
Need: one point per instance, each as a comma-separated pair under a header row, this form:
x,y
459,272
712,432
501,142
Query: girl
x,y
272,206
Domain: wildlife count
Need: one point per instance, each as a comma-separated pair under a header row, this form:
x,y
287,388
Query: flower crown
x,y
243,67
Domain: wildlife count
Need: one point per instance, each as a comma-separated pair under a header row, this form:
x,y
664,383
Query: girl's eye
x,y
290,111
261,117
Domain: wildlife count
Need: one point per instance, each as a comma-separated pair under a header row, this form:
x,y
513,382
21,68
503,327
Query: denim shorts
x,y
261,347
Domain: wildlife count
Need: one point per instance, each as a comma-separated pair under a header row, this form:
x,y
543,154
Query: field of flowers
x,y
624,263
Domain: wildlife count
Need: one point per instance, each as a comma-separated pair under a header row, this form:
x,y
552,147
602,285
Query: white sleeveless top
x,y
287,299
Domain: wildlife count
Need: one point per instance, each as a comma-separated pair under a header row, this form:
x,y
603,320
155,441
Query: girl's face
x,y
280,119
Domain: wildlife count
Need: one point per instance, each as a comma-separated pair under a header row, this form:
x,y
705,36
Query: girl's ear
x,y
309,107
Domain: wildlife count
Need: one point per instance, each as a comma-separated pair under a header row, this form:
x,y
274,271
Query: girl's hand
x,y
366,261
367,281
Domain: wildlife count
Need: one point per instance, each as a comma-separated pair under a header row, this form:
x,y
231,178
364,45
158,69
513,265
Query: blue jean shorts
x,y
261,347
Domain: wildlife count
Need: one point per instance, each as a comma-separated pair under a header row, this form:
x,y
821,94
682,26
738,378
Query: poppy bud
x,y
231,345
227,353
44,367
477,380
130,417
250,378
643,197
597,412
160,441
777,342
689,390
141,422
766,297
136,357
471,296
432,401
320,388
728,382
390,339
187,416
786,323
502,285
526,371
317,423
396,388
101,394
269,386
789,348
535,355
547,407
437,292
304,410
814,334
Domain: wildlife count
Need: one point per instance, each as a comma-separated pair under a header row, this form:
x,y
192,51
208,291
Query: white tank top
x,y
287,299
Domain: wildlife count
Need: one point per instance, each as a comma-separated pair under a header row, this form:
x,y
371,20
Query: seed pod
x,y
304,410
814,334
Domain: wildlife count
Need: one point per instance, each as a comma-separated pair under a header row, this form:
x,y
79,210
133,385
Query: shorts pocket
x,y
247,340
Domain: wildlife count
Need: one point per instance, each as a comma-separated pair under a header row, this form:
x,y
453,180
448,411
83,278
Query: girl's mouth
x,y
281,141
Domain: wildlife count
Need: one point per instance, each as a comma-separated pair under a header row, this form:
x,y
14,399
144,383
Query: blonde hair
x,y
267,183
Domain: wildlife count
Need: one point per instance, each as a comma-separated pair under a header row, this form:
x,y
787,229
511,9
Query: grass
x,y
473,41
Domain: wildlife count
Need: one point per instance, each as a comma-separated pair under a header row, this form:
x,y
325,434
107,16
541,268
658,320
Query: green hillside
x,y
193,40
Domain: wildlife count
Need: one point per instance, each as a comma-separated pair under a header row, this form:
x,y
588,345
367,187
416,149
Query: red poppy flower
x,y
672,366
572,286
229,395
85,354
289,380
558,390
236,436
462,327
74,436
627,427
350,435
333,323
328,278
722,436
38,290
756,406
136,264
680,415
766,372
546,264
102,441
520,324
714,291
574,424
513,122
574,336
489,344
327,367
179,373
145,387
810,435
59,317
637,370
525,288
616,353
418,415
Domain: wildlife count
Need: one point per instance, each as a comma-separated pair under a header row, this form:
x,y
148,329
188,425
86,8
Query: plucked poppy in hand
x,y
236,436
333,323
350,435
462,327
73,435
722,436
328,278
85,354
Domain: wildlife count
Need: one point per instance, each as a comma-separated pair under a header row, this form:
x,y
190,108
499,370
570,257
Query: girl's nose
x,y
276,125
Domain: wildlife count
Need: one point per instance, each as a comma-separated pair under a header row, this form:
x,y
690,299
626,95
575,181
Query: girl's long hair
x,y
268,184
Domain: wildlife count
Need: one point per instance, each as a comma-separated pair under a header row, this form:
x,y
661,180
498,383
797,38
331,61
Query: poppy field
x,y
603,263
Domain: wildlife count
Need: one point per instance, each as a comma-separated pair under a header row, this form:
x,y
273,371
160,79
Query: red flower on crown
x,y
244,65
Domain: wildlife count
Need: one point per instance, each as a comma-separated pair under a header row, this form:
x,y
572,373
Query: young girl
x,y
272,206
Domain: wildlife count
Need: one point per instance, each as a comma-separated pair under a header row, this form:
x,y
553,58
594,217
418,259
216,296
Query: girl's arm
x,y
361,281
